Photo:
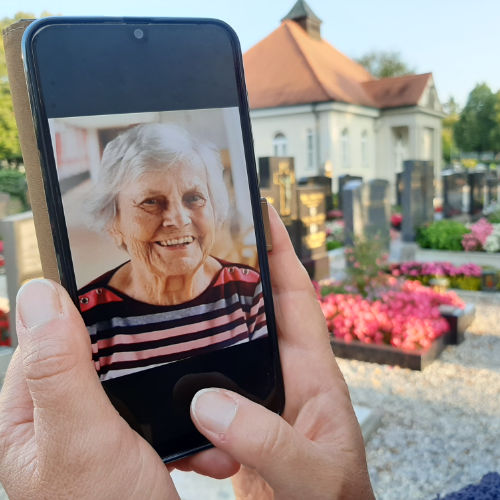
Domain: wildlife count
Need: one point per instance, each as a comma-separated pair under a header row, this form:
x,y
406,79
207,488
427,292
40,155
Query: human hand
x,y
316,449
60,437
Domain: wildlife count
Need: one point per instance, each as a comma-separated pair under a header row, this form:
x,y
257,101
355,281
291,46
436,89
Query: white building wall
x,y
355,124
294,126
330,119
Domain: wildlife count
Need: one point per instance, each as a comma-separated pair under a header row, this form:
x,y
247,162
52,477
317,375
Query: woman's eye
x,y
151,204
195,199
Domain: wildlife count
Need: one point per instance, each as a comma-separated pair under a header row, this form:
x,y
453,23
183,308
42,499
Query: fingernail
x,y
214,410
37,303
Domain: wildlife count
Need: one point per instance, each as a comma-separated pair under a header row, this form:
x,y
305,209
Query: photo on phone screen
x,y
152,193
161,233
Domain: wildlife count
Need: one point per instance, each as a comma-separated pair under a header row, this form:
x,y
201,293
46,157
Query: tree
x,y
449,146
385,64
9,141
478,128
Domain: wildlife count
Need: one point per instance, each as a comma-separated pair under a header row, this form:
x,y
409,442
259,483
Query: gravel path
x,y
440,428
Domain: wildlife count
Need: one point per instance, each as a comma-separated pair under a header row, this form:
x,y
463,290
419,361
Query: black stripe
x,y
258,326
104,333
123,365
178,339
130,307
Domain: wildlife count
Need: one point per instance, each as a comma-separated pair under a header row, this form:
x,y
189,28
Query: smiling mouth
x,y
176,242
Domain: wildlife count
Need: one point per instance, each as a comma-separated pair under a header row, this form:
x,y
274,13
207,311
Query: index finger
x,y
287,272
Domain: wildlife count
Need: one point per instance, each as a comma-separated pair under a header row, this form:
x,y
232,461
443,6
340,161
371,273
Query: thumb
x,y
57,361
254,436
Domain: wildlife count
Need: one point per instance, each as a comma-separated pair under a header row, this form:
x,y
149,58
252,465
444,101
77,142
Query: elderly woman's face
x,y
166,219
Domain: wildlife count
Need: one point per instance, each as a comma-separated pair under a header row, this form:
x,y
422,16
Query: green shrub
x,y
333,244
465,282
494,217
442,235
13,182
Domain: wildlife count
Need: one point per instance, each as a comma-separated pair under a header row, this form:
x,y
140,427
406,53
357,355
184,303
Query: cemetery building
x,y
311,102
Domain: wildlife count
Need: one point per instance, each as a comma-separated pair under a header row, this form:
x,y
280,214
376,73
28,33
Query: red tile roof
x,y
289,67
398,91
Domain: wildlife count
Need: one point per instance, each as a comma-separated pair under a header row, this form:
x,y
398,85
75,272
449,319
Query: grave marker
x,y
418,197
454,184
22,260
302,209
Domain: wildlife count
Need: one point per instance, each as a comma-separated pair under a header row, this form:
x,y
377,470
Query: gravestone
x,y
320,180
367,210
310,231
352,208
377,210
418,197
4,204
399,189
277,185
492,184
477,192
302,209
454,184
22,260
342,181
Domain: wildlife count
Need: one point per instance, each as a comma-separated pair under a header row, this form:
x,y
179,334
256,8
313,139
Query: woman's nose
x,y
176,215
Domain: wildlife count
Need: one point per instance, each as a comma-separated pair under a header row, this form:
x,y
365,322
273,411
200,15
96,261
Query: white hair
x,y
153,147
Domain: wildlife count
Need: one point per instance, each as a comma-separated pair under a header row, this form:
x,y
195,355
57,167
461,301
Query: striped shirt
x,y
128,335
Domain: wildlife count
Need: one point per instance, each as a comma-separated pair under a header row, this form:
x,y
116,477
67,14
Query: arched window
x,y
364,149
344,148
280,145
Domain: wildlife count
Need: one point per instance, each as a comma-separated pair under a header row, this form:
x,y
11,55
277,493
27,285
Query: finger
x,y
296,304
214,463
252,435
283,258
57,364
16,405
16,413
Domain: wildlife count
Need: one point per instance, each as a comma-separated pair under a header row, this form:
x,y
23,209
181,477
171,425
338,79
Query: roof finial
x,y
303,15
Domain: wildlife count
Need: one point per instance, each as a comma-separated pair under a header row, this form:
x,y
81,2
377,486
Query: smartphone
x,y
149,173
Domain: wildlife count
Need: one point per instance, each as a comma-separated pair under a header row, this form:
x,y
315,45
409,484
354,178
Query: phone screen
x,y
147,157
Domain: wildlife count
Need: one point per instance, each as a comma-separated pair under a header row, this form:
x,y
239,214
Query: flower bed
x,y
334,233
483,236
402,314
375,317
464,277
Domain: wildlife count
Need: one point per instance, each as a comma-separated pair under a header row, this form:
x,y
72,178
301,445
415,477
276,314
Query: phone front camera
x,y
139,34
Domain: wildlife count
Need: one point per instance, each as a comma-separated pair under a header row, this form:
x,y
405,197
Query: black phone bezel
x,y
52,189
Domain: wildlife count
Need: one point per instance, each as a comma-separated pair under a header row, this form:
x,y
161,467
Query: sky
x,y
457,40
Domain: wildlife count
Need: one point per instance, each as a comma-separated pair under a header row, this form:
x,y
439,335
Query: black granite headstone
x,y
352,208
492,183
323,181
453,192
277,185
302,209
343,180
377,210
477,192
310,231
399,189
367,209
418,196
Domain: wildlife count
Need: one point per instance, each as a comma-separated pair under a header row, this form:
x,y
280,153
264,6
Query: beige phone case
x,y
12,42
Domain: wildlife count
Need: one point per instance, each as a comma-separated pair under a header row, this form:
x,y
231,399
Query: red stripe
x,y
162,351
172,332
